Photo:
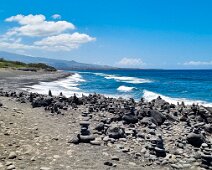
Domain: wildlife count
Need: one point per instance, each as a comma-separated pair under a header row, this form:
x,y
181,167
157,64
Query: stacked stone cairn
x,y
85,134
206,155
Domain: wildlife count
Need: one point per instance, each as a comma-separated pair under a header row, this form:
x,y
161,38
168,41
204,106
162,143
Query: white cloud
x,y
29,19
131,62
50,35
36,25
65,41
198,63
56,16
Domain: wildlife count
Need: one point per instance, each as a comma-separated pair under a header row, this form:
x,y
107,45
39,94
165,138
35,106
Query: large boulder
x,y
115,132
157,116
148,121
130,118
100,126
195,140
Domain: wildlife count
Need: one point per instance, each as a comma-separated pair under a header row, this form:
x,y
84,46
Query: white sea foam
x,y
149,96
68,86
132,80
125,88
100,74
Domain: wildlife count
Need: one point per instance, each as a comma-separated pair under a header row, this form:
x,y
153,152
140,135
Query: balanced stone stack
x,y
85,134
206,155
159,149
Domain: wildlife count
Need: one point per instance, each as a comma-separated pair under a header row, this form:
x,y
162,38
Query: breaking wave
x,y
125,88
132,80
68,86
149,96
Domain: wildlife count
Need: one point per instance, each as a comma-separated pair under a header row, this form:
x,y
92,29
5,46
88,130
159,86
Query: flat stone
x,y
86,138
85,123
106,139
175,166
132,163
115,158
95,142
45,168
8,163
11,167
108,163
186,165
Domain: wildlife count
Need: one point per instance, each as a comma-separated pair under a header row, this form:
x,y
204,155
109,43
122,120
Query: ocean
x,y
190,86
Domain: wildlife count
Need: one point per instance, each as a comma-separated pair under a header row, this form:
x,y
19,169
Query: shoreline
x,y
17,79
96,132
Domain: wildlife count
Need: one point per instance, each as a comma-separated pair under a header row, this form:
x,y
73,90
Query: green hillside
x,y
23,66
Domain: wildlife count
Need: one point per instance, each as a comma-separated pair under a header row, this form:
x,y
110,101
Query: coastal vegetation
x,y
24,66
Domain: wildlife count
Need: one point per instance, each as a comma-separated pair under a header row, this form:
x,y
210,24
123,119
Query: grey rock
x,y
12,155
10,167
74,140
115,158
108,163
115,132
195,139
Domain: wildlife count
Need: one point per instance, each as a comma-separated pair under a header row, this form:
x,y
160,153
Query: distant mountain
x,y
59,64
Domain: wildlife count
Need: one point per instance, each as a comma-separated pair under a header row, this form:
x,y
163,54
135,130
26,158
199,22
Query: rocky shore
x,y
123,133
96,132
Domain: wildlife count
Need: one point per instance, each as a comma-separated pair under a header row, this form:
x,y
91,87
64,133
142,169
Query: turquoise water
x,y
172,85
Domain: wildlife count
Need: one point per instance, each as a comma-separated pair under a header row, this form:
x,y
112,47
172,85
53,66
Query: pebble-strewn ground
x,y
45,132
96,132
32,139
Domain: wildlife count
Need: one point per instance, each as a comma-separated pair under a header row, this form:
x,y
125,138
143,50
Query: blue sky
x,y
125,33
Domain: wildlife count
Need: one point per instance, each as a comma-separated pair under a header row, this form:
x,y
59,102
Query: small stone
x,y
45,168
143,151
100,126
115,158
186,165
12,155
8,163
126,150
56,156
138,154
74,140
69,152
114,165
204,145
108,163
33,158
95,142
11,167
132,163
174,166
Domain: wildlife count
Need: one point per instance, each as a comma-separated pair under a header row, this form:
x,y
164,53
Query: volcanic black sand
x,y
95,132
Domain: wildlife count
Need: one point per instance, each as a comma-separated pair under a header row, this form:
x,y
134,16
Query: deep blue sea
x,y
172,85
